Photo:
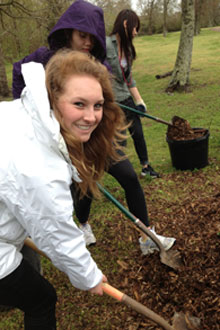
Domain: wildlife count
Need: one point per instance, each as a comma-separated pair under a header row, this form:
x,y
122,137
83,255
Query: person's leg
x,y
27,290
124,173
136,131
32,257
137,134
82,208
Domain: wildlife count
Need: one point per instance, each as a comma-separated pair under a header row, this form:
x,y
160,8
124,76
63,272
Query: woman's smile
x,y
81,106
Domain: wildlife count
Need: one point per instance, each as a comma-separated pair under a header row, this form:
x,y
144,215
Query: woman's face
x,y
82,41
81,106
134,31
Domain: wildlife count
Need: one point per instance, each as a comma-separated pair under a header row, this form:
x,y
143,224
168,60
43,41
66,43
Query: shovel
x,y
181,321
170,258
146,115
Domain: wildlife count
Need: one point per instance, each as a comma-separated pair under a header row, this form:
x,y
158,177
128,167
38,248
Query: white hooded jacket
x,y
35,176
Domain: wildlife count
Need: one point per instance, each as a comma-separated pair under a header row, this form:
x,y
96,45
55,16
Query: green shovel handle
x,y
119,205
138,223
145,114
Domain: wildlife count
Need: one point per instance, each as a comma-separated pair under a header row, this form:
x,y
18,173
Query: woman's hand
x,y
141,105
98,288
137,97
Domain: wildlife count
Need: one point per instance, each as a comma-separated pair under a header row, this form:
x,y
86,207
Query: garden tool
x,y
170,258
146,115
180,321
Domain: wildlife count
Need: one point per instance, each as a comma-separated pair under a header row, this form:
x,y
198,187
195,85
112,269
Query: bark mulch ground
x,y
195,288
188,209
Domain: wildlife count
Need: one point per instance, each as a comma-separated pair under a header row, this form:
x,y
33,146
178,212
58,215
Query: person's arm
x,y
137,97
17,80
55,232
135,94
41,55
44,207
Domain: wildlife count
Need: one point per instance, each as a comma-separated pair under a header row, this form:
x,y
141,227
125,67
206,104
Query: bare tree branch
x,y
18,6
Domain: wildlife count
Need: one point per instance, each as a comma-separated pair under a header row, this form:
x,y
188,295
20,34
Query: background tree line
x,y
25,24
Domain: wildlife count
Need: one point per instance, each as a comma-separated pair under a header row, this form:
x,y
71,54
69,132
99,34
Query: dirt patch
x,y
192,216
181,130
193,220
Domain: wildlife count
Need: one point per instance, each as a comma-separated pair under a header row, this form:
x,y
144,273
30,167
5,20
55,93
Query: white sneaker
x,y
88,234
149,246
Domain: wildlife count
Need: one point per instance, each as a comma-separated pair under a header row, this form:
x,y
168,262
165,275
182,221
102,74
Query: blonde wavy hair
x,y
94,156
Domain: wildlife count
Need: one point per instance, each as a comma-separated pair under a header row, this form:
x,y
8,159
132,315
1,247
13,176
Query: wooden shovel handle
x,y
28,242
113,292
138,307
118,295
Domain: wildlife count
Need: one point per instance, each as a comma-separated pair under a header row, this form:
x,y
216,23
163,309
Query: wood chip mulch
x,y
190,212
182,131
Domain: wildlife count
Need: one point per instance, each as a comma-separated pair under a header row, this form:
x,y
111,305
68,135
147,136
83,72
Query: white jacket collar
x,y
35,100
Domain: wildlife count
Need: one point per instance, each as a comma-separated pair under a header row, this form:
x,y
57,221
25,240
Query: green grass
x,y
156,55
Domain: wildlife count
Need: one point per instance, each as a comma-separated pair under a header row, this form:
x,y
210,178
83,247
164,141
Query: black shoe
x,y
150,172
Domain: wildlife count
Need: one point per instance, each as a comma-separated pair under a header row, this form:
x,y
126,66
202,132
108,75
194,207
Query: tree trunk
x,y
198,9
4,90
180,77
150,26
16,38
164,18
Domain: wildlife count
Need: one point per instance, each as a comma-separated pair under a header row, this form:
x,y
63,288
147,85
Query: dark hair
x,y
126,39
63,38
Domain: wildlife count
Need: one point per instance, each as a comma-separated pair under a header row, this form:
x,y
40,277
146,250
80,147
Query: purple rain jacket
x,y
82,16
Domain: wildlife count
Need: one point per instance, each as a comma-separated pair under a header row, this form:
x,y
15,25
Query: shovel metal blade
x,y
171,258
185,322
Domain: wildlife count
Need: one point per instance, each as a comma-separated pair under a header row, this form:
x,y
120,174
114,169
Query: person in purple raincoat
x,y
81,23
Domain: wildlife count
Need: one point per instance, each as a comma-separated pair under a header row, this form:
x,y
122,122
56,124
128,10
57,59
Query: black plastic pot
x,y
189,154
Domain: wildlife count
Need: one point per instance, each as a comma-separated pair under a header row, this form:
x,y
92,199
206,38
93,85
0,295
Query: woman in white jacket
x,y
64,127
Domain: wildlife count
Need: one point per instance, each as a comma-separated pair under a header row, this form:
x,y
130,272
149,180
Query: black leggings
x,y
125,174
27,290
136,131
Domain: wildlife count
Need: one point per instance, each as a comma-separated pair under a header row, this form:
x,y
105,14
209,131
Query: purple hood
x,y
82,16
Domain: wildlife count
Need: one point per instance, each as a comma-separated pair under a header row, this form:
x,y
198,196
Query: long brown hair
x,y
126,39
92,157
